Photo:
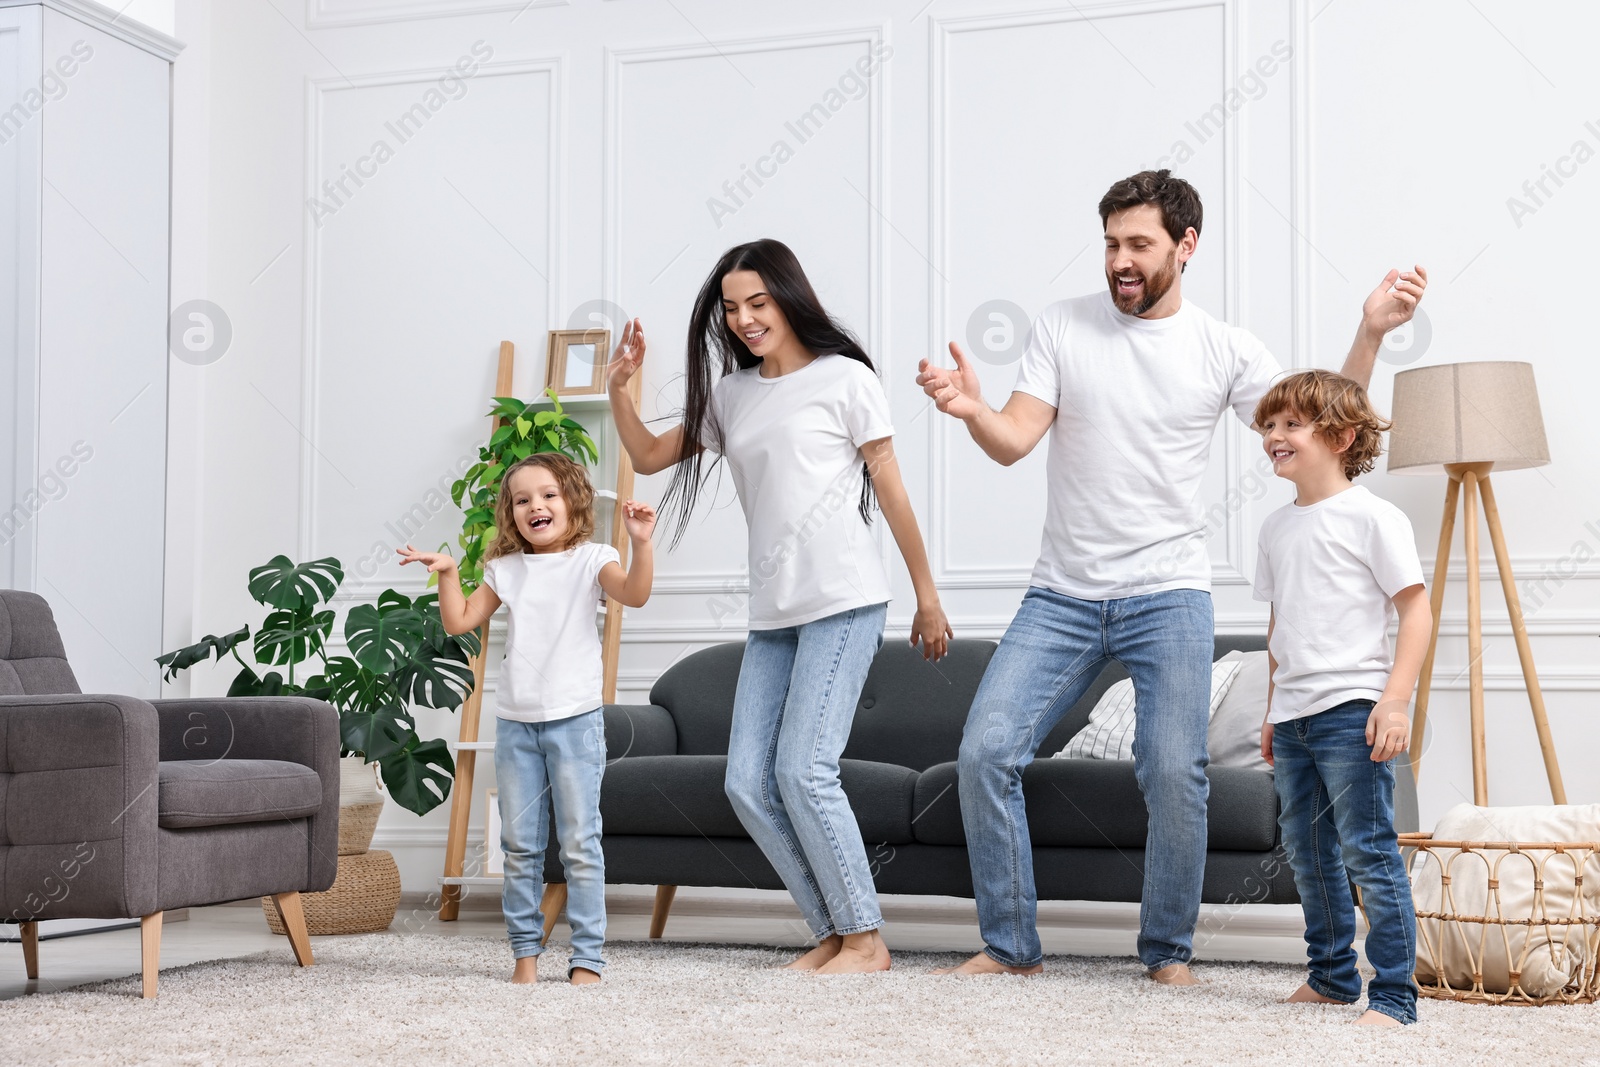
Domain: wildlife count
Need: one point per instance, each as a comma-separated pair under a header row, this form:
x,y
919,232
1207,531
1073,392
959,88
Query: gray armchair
x,y
116,807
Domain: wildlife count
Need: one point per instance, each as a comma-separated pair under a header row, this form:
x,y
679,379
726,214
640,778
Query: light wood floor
x,y
938,924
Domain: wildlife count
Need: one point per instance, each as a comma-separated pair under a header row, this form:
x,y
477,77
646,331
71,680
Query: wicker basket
x,y
357,824
362,900
1566,936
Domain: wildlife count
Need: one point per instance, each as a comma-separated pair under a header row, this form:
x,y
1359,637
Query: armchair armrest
x,y
78,807
639,730
294,729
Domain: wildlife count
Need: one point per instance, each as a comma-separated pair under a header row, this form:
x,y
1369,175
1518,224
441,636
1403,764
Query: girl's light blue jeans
x,y
563,760
792,713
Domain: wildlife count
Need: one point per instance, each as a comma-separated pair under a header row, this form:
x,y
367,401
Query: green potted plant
x,y
400,656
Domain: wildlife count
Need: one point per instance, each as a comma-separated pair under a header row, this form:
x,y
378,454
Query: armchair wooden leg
x,y
150,946
293,918
658,917
550,905
30,948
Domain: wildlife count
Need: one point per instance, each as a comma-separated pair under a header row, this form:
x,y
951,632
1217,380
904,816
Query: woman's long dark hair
x,y
712,342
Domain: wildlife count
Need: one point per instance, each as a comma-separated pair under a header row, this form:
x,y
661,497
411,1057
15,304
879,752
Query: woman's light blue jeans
x,y
1336,811
1052,651
564,760
792,712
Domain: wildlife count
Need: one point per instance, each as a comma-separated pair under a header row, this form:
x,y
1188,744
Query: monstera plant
x,y
400,657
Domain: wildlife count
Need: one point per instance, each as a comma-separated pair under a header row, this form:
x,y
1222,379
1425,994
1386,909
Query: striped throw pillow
x,y
1109,733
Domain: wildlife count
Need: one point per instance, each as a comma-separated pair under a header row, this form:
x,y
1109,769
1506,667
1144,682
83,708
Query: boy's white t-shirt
x,y
1330,571
793,444
1137,403
552,665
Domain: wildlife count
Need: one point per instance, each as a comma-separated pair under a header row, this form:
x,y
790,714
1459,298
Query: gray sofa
x,y
116,807
668,822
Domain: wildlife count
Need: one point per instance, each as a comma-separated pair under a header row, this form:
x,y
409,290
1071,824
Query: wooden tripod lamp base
x,y
1468,483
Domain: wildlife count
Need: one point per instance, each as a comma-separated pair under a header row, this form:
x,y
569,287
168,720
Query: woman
x,y
790,399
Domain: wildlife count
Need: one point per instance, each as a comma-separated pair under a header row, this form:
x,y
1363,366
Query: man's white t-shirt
x,y
1137,403
1330,571
552,665
794,446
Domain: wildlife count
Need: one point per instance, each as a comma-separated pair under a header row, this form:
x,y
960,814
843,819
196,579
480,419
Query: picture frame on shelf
x,y
575,362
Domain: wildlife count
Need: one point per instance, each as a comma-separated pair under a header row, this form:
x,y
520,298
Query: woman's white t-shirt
x,y
552,665
794,446
1330,570
1137,403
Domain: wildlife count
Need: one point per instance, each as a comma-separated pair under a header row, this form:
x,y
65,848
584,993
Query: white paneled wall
x,y
930,167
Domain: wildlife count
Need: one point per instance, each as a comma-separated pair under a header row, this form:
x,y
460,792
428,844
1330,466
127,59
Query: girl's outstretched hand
x,y
931,627
628,356
436,562
639,518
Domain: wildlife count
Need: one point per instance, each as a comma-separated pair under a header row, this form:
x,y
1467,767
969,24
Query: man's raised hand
x,y
954,391
1393,302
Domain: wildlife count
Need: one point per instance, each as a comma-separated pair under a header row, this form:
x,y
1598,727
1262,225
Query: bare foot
x,y
1376,1018
983,963
526,972
860,954
1174,974
1306,995
583,976
826,949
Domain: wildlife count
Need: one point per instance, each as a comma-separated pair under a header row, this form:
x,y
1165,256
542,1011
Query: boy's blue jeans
x,y
1337,816
1052,651
564,760
792,711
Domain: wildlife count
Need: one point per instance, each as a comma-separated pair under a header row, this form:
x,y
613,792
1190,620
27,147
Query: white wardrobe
x,y
85,122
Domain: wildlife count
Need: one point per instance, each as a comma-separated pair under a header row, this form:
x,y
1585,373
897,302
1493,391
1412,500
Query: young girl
x,y
551,732
798,412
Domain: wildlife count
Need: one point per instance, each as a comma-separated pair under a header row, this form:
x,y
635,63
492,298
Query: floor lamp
x,y
1464,420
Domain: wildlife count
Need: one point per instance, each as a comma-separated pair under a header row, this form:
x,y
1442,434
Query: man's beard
x,y
1154,288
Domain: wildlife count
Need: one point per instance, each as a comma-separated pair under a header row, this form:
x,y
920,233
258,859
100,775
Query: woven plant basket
x,y
1485,954
357,824
362,900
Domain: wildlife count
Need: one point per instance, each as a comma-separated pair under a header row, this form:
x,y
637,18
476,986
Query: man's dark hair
x,y
1177,199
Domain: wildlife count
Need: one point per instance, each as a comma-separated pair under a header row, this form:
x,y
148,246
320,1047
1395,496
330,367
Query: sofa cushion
x,y
222,792
912,711
1081,803
683,796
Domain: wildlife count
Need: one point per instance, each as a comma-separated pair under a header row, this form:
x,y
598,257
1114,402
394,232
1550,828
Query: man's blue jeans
x,y
1336,810
563,760
792,711
1053,650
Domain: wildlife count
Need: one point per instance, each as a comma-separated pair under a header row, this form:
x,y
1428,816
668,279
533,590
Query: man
x,y
1132,382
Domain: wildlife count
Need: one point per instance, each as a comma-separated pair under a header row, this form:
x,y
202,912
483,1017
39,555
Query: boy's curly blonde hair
x,y
1331,404
576,490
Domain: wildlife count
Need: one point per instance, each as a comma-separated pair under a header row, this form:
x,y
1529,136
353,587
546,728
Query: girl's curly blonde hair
x,y
1331,404
576,490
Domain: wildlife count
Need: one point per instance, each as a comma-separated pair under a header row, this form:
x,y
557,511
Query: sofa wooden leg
x,y
551,904
293,918
658,916
150,952
30,948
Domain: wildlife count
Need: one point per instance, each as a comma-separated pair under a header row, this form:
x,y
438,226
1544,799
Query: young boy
x,y
1336,565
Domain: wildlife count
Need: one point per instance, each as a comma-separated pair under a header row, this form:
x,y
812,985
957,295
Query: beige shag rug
x,y
392,999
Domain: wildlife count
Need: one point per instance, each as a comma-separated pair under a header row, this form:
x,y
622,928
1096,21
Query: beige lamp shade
x,y
1466,413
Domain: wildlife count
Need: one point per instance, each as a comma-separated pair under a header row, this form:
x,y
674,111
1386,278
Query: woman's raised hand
x,y
436,562
628,357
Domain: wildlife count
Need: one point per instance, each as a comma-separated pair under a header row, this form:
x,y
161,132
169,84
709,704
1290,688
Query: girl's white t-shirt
x,y
552,665
793,444
1137,403
1330,571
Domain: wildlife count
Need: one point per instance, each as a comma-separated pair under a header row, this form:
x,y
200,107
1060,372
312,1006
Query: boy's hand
x,y
640,519
436,562
1388,730
1266,743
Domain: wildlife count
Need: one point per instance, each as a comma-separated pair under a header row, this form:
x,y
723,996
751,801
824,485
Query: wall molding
x,y
326,14
317,89
110,21
1231,570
